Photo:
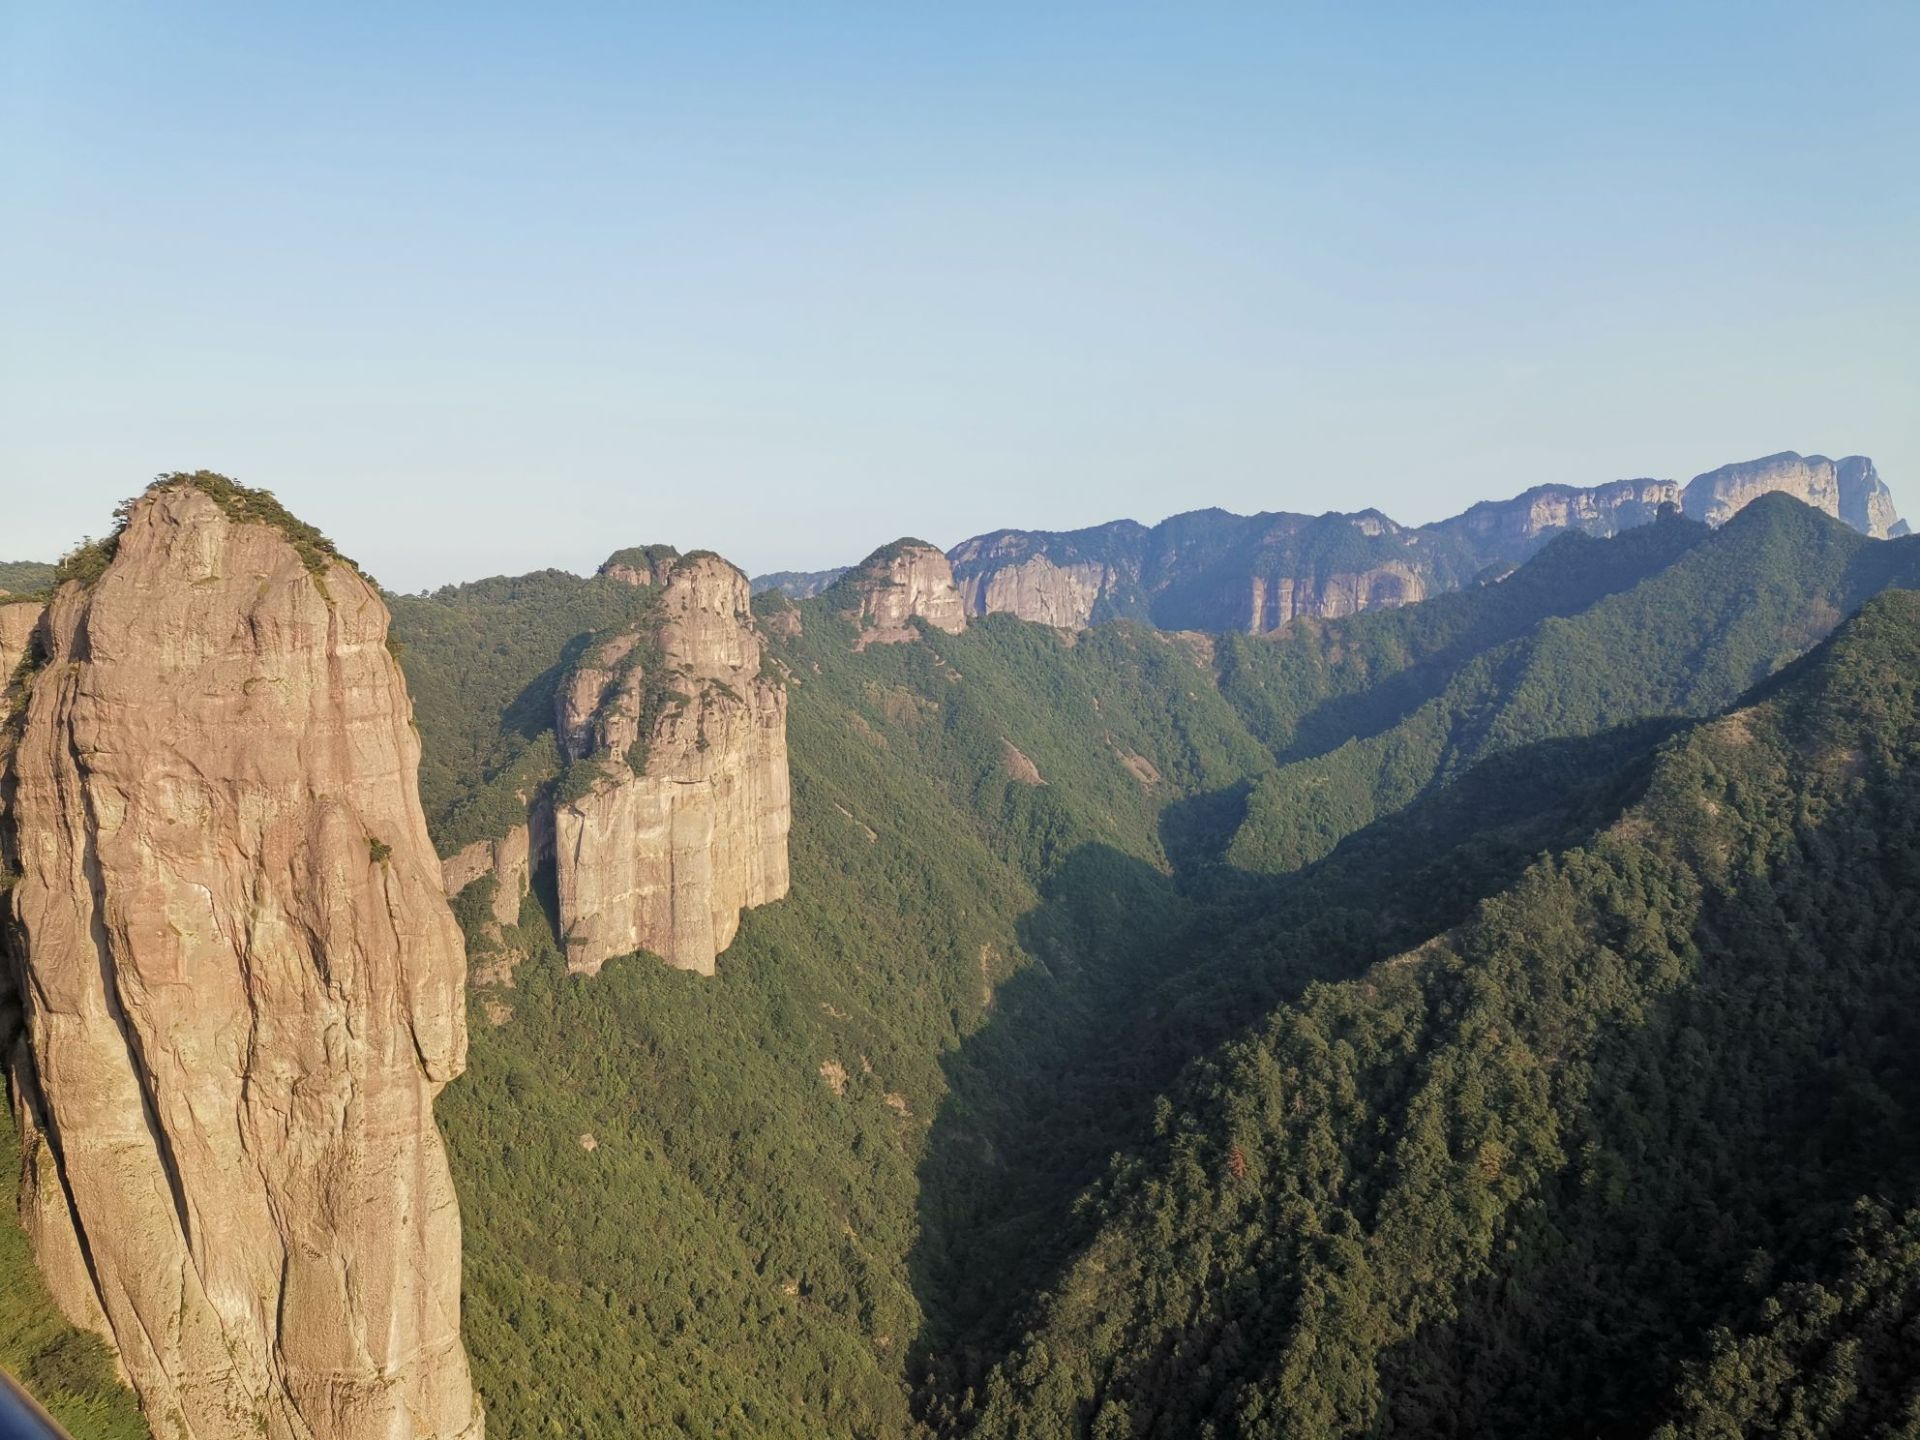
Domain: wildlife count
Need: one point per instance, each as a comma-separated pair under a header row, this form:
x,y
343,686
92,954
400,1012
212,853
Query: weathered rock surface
x,y
509,860
1279,599
897,584
1507,526
242,990
1865,502
678,807
1033,587
1215,571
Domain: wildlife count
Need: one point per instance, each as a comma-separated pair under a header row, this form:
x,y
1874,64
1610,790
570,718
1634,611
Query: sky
x,y
487,288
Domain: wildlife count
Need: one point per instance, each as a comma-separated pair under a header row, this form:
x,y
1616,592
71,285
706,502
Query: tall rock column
x,y
678,807
242,987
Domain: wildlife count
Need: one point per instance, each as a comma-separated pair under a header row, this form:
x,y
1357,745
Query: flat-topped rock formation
x,y
674,814
1212,570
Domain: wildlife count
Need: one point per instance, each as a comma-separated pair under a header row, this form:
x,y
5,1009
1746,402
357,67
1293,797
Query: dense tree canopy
x,y
1491,1017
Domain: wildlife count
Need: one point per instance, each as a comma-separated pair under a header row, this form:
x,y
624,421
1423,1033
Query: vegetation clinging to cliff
x,y
68,1370
248,506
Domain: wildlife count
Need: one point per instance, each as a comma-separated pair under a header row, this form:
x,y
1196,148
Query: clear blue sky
x,y
482,288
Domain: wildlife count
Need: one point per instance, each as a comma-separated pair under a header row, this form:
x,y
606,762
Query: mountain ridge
x,y
1215,570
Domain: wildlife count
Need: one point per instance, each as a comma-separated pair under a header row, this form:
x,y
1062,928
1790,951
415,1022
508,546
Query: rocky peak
x,y
674,813
1717,496
640,564
242,988
1865,502
898,583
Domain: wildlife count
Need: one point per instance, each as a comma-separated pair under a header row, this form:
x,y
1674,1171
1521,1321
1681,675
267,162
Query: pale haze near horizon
x,y
478,292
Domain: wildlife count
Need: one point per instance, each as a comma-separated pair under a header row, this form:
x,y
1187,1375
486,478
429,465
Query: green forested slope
x,y
1684,640
1413,1024
1512,1181
831,1187
482,662
735,1254
69,1371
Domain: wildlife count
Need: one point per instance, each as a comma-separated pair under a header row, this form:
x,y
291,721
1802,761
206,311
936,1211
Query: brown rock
x,y
683,821
243,990
1018,767
510,860
897,584
18,620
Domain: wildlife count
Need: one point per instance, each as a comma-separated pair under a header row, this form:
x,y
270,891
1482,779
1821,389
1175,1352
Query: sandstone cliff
x,y
897,584
1212,570
674,814
1849,489
242,988
509,862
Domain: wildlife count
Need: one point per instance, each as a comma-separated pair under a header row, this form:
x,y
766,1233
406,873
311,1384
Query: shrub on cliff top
x,y
248,506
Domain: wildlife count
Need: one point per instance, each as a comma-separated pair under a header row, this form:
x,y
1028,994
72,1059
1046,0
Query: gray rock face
x,y
241,991
797,584
1865,502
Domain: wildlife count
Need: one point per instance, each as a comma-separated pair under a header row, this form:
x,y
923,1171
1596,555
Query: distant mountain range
x,y
1216,571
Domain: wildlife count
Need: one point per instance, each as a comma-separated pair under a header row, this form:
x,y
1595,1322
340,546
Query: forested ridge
x,y
1488,1017
858,1183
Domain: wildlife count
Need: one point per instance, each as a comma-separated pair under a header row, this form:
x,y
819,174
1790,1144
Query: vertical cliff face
x,y
1717,496
675,811
1508,526
241,987
1278,599
896,584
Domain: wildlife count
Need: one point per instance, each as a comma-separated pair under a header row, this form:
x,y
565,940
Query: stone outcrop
x,y
1545,510
674,814
1214,571
510,862
18,621
640,564
1281,599
241,988
896,585
1035,588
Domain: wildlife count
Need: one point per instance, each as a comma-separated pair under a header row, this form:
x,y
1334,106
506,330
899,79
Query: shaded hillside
x,y
825,1185
1511,1181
